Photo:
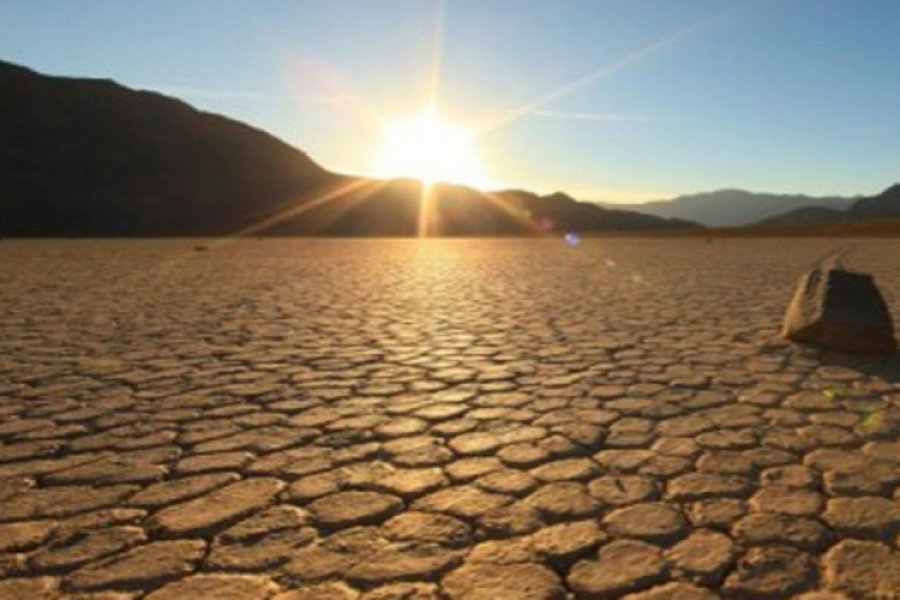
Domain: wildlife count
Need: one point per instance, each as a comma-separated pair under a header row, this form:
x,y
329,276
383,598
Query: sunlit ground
x,y
435,416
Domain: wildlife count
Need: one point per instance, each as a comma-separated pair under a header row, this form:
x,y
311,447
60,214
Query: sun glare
x,y
429,149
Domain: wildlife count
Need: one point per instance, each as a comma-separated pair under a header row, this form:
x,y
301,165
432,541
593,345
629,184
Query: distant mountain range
x,y
732,208
89,157
885,205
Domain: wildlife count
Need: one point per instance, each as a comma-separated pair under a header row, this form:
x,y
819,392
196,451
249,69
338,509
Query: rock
x,y
771,528
566,469
655,522
705,554
489,582
108,470
822,595
618,490
391,564
618,461
472,467
29,588
98,519
564,500
177,490
675,590
840,310
563,543
507,481
512,519
84,547
621,566
215,509
864,569
684,426
24,535
716,512
474,443
411,483
275,518
726,462
795,476
404,591
676,446
519,549
62,501
217,587
315,562
876,478
427,528
771,572
258,553
866,517
12,565
311,487
321,591
522,455
699,486
140,567
356,542
787,500
466,502
222,461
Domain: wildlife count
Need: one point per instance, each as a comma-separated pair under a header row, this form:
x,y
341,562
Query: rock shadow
x,y
886,367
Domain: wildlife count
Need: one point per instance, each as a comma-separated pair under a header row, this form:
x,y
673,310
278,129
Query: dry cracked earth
x,y
298,420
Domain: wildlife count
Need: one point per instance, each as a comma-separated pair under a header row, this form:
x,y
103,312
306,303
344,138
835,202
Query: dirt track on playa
x,y
458,419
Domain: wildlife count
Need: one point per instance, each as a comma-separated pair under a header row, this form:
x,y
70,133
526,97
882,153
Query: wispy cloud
x,y
607,70
591,116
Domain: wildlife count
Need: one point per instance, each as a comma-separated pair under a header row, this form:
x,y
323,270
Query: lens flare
x,y
427,148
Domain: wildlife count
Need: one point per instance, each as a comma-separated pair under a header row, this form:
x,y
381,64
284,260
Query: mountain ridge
x,y
885,205
90,157
732,207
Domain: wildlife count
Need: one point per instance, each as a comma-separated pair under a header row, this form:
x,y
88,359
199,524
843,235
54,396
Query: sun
x,y
427,148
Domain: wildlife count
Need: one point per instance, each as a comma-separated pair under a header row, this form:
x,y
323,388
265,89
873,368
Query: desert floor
x,y
338,419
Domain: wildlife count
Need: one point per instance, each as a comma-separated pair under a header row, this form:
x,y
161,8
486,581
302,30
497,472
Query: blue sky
x,y
607,99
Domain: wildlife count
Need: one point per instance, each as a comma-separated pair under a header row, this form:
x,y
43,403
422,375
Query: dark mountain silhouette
x,y
89,157
807,214
730,207
885,205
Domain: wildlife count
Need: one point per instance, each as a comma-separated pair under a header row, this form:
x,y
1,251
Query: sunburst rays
x,y
304,205
354,191
514,212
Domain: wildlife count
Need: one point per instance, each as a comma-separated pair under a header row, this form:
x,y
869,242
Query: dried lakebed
x,y
457,419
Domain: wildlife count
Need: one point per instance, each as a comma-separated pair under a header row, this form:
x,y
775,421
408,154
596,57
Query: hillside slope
x,y
89,157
